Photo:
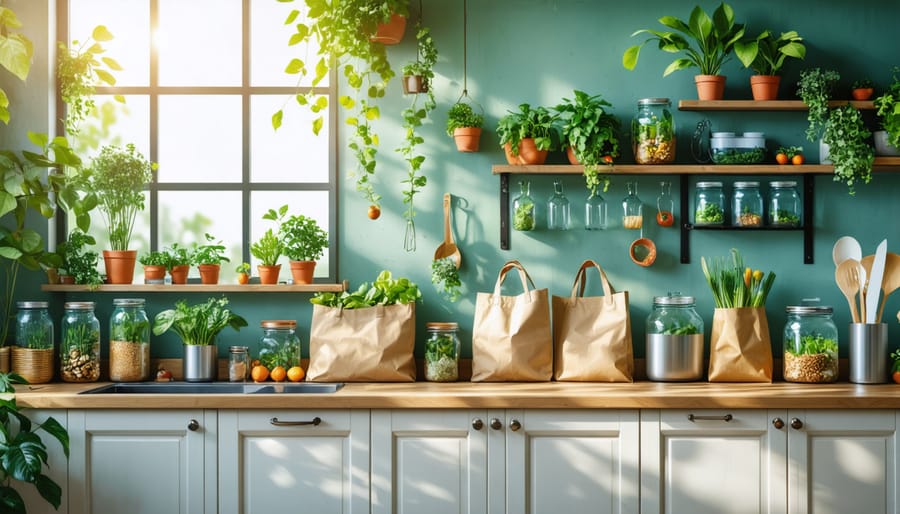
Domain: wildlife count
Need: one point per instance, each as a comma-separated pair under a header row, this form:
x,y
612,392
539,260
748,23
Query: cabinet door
x,y
293,460
142,462
57,466
843,461
430,461
572,461
711,461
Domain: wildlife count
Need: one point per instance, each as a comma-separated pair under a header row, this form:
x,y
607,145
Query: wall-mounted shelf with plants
x,y
197,288
763,105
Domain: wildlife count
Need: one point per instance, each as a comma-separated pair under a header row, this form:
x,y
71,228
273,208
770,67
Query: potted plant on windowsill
x,y
304,242
267,249
78,261
527,136
155,264
209,258
243,273
765,54
197,326
464,126
179,260
713,41
590,134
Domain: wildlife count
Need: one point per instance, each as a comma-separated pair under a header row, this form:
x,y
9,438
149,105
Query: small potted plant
x,y
590,134
79,264
527,136
765,54
418,74
155,264
243,273
209,258
303,242
464,126
887,140
197,326
179,260
267,249
862,89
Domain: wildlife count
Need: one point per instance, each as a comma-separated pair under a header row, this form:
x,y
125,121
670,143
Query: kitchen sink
x,y
214,388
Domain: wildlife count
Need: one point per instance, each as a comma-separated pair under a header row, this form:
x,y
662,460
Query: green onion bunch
x,y
733,284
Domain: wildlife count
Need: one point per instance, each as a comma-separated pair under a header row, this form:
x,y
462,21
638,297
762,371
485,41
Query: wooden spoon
x,y
847,277
891,280
448,247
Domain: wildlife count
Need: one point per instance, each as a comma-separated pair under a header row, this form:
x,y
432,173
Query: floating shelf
x,y
197,288
763,105
671,169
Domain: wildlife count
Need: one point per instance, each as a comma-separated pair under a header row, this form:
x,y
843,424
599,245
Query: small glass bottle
x,y
632,208
558,211
442,352
709,204
80,347
34,328
595,212
653,132
747,205
523,208
129,341
784,204
810,345
238,363
665,205
279,345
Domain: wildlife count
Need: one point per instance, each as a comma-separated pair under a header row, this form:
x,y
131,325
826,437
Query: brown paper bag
x,y
740,349
592,335
374,344
511,338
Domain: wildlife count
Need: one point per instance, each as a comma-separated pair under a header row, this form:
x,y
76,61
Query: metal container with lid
x,y
674,342
653,132
279,345
810,344
442,352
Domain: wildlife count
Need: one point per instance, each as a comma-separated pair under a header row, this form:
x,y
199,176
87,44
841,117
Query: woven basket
x,y
35,366
4,359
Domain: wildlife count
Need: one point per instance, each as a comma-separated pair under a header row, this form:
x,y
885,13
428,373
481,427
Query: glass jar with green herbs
x,y
129,341
709,204
279,344
810,345
442,352
34,328
523,208
653,132
79,359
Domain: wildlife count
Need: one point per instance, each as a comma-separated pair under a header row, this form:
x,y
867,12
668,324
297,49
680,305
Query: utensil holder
x,y
868,353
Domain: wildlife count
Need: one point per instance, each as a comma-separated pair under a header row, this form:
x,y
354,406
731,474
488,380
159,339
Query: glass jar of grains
x,y
653,132
79,359
129,341
442,352
810,344
747,205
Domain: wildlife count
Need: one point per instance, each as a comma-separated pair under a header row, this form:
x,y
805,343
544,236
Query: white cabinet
x,y
56,469
299,460
500,461
142,461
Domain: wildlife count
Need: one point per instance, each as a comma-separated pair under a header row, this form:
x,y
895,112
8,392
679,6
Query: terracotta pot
x,y
119,266
467,138
528,153
302,271
209,273
570,154
154,274
243,278
710,87
765,87
414,84
66,279
268,274
862,93
390,33
179,273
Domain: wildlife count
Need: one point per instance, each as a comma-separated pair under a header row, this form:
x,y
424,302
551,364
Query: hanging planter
x,y
464,126
414,84
391,32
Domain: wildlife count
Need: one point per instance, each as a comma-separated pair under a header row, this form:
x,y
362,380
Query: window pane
x,y
199,43
313,204
129,23
292,153
115,123
269,50
200,138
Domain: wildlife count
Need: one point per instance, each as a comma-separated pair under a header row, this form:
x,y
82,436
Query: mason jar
x,y
34,328
674,340
653,132
129,341
442,352
238,363
784,204
747,205
79,359
709,204
279,344
810,345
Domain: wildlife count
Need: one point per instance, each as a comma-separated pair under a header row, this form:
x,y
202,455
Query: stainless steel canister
x,y
674,344
868,353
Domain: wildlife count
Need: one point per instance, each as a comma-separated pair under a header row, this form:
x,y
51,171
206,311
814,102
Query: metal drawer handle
x,y
778,423
477,424
514,425
315,422
193,425
726,418
496,424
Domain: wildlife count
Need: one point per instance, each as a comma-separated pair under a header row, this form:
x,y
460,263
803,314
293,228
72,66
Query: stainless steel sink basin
x,y
214,388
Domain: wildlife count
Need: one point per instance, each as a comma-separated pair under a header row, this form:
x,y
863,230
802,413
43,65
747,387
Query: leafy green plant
x,y
178,256
888,105
813,345
243,267
462,115
16,53
426,57
23,453
77,261
385,290
536,123
211,252
815,89
79,71
267,248
706,41
863,83
198,324
591,130
302,238
677,328
733,285
154,258
765,53
709,213
130,328
445,278
848,148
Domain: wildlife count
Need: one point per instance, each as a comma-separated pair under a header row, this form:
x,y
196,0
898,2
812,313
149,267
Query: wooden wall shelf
x,y
763,105
197,288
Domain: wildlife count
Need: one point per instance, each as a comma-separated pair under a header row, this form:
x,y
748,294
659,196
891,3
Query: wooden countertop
x,y
469,395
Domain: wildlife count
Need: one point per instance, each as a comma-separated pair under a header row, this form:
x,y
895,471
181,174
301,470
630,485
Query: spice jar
x,y
279,345
129,341
80,346
34,328
709,204
810,345
784,204
674,340
747,205
238,363
523,208
442,352
653,132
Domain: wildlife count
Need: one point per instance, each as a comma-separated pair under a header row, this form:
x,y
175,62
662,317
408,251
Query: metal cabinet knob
x,y
796,424
496,424
193,425
477,424
778,423
514,425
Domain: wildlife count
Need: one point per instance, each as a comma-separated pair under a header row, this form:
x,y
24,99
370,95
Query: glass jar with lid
x,y
442,352
79,359
653,132
674,349
810,344
129,341
709,204
279,345
747,205
784,204
238,363
32,355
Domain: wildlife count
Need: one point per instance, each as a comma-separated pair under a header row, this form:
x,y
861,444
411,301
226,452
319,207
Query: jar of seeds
x,y
810,345
129,341
80,346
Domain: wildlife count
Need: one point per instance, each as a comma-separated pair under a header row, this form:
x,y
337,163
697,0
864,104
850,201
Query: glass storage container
x,y
34,328
632,208
747,205
709,204
129,341
665,205
279,345
784,204
746,148
653,132
80,347
442,352
595,213
674,341
523,208
558,209
810,345
238,363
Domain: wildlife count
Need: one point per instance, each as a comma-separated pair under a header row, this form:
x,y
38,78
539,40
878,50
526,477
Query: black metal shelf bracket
x,y
504,211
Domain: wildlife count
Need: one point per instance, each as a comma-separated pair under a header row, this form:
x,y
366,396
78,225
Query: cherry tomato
x,y
607,159
163,375
797,159
664,219
896,376
781,158
374,212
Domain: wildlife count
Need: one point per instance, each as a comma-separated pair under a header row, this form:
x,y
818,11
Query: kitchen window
x,y
201,81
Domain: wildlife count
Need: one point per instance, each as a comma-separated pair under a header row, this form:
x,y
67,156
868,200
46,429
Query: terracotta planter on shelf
x,y
209,273
154,274
765,87
467,138
710,87
414,84
66,279
863,93
119,266
303,271
570,154
390,33
528,153
179,273
268,274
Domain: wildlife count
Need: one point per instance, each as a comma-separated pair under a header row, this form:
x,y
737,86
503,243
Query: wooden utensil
x,y
845,248
891,280
847,277
448,248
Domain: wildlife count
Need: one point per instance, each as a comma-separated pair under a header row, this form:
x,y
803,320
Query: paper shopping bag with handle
x,y
740,349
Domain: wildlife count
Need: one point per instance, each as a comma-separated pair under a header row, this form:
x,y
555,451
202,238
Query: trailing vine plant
x,y
80,69
16,52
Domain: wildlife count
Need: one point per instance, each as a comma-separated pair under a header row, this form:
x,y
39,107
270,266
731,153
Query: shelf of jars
x,y
763,105
197,288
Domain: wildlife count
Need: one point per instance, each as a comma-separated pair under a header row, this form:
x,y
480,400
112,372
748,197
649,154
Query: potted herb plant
x,y
418,74
78,262
464,126
197,326
243,273
155,264
527,136
862,89
590,134
887,140
303,242
117,178
815,88
705,41
267,249
179,260
765,54
209,258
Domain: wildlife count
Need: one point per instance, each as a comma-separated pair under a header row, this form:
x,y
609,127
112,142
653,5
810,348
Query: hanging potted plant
x,y
590,134
814,88
464,126
527,136
179,260
887,140
418,74
209,258
707,43
765,54
304,242
155,264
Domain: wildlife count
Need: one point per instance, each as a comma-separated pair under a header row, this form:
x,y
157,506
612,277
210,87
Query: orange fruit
x,y
781,158
295,374
797,159
243,278
278,374
259,373
374,212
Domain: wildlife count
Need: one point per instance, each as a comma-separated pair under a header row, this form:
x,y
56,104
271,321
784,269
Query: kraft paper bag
x,y
374,344
592,335
511,338
740,348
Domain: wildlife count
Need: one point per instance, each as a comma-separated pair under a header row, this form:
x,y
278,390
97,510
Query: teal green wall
x,y
538,51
